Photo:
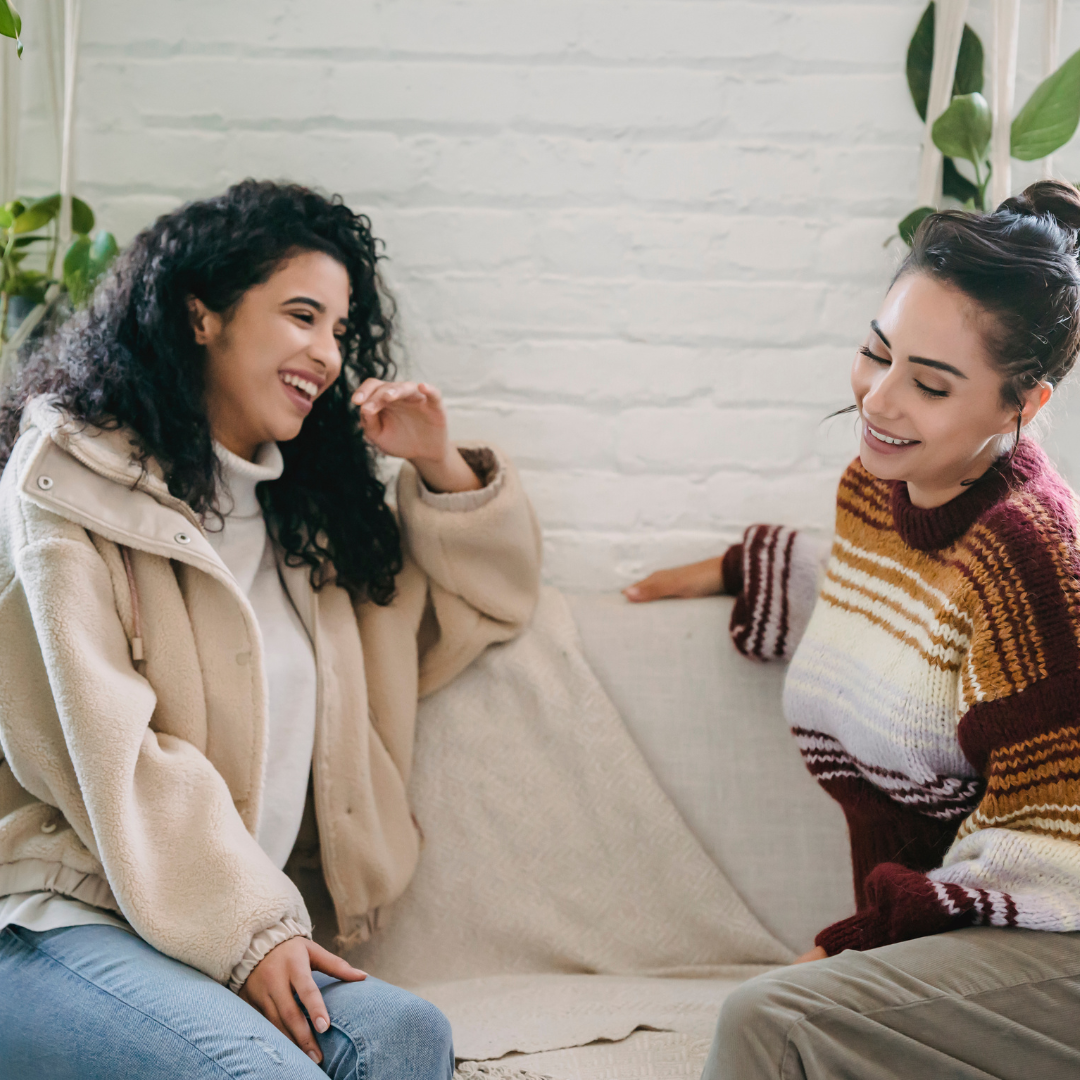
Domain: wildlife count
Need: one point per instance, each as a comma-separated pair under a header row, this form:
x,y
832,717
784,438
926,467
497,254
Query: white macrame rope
x,y
1002,96
948,30
72,17
1051,44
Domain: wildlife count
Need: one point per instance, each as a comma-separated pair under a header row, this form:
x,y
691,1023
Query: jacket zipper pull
x,y
136,615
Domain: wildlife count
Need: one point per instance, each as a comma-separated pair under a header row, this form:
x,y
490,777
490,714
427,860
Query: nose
x,y
881,398
325,349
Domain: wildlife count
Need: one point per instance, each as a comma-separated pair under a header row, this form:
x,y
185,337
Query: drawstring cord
x,y
136,616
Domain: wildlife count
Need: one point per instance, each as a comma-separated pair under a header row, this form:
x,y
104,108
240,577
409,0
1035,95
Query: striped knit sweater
x,y
934,690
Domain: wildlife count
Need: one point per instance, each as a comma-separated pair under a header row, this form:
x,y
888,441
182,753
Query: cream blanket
x,y
550,848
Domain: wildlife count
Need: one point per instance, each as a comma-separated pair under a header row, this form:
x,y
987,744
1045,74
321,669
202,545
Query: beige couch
x,y
488,928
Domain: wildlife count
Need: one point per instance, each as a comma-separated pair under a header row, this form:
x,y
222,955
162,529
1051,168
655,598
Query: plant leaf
x,y
955,185
6,218
102,252
31,284
909,224
963,129
82,217
1050,117
920,62
11,24
76,274
37,214
969,64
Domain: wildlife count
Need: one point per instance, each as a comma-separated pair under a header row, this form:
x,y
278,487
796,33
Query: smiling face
x,y
928,394
274,352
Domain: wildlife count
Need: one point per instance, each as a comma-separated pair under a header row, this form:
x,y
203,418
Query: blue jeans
x,y
98,1003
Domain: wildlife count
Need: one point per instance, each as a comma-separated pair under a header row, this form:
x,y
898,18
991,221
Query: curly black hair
x,y
130,359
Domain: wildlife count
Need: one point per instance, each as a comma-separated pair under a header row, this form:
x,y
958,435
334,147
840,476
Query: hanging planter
x,y
963,131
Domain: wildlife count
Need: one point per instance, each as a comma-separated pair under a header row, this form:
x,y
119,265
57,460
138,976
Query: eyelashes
x,y
884,360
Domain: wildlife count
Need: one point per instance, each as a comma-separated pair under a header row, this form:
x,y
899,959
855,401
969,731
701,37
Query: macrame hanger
x,y
948,30
1002,96
1051,42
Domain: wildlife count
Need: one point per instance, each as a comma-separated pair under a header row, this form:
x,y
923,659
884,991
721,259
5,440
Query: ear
x,y
205,324
1035,400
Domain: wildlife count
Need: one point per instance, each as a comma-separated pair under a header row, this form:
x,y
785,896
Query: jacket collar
x,y
91,476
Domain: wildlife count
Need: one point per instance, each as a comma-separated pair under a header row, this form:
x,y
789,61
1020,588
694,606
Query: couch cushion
x,y
549,845
709,723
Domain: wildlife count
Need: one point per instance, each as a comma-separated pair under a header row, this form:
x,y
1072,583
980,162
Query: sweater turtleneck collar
x,y
940,526
239,478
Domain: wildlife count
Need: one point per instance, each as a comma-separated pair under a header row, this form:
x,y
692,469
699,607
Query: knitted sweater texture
x,y
935,694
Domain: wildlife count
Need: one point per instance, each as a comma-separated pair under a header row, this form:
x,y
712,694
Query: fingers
x,y
330,964
654,587
374,395
295,1024
816,953
698,579
312,1000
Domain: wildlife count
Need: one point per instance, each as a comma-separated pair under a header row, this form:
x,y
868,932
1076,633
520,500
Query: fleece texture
x,y
135,785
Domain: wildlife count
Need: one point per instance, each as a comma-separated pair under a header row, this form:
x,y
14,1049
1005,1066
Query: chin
x,y
880,466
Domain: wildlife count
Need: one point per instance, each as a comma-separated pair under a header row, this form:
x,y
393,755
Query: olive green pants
x,y
976,1003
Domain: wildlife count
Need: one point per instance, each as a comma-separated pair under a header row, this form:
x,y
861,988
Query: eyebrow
x,y
940,365
320,308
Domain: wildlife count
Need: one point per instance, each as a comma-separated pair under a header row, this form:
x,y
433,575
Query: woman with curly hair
x,y
213,635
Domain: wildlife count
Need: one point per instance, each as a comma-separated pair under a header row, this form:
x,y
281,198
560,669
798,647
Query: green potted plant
x,y
30,236
1045,123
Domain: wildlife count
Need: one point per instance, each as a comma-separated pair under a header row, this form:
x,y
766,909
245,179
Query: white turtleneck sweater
x,y
244,547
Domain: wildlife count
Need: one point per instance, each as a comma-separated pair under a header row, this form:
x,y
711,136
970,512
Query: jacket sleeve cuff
x,y
489,471
261,944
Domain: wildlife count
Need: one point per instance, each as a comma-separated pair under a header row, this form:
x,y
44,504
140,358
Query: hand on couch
x,y
684,582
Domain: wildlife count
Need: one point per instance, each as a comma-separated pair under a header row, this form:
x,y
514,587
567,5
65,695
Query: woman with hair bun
x,y
213,635
934,678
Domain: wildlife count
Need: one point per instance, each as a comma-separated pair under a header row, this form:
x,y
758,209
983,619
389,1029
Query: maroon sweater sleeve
x,y
773,575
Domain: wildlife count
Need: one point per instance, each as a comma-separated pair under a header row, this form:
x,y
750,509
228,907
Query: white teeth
x,y
889,439
303,385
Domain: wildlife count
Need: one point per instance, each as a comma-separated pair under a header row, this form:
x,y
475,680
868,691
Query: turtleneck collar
x,y
940,526
239,478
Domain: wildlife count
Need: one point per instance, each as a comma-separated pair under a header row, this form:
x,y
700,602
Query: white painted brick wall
x,y
634,241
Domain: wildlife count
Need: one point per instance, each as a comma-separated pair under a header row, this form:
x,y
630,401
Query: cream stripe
x,y
900,568
903,598
952,656
922,614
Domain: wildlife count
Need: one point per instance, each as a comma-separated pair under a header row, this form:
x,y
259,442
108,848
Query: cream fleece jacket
x,y
136,785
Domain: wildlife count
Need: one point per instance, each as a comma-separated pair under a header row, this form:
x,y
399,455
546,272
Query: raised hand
x,y
408,420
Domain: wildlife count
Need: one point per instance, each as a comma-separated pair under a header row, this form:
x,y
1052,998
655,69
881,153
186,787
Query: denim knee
x,y
380,1032
432,1038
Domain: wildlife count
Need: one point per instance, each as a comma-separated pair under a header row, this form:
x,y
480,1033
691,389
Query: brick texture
x,y
634,241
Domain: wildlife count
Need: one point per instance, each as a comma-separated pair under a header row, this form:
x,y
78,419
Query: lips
x,y
884,442
301,388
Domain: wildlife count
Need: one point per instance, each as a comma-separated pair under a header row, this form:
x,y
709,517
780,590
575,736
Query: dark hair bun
x,y
1019,264
1048,198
